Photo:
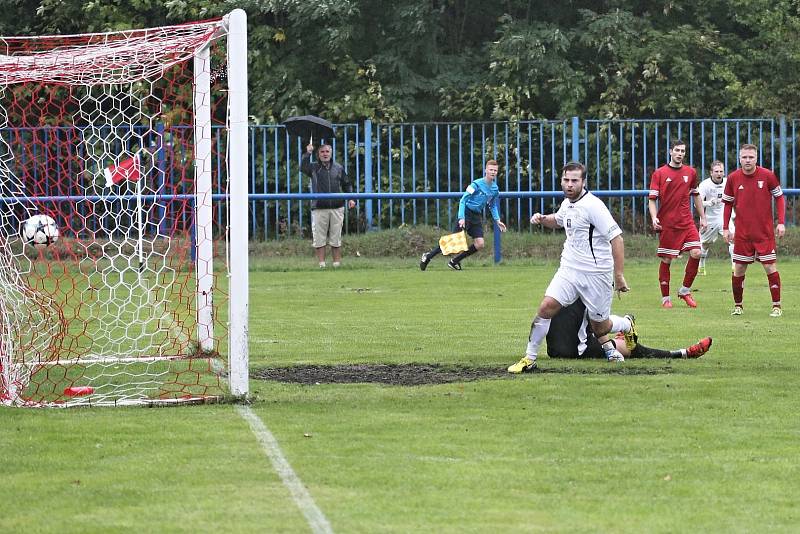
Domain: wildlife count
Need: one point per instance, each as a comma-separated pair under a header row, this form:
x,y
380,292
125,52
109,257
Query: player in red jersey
x,y
671,186
750,190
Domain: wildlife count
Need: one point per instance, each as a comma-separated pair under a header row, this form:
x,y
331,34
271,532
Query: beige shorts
x,y
326,227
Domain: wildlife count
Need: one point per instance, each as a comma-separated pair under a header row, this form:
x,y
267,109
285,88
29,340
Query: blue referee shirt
x,y
478,194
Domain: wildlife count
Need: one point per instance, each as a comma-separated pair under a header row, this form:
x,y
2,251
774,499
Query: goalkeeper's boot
x,y
454,265
424,261
688,299
631,336
777,311
525,365
699,348
737,310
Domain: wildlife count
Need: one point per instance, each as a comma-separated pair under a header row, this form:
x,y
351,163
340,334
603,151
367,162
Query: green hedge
x,y
410,241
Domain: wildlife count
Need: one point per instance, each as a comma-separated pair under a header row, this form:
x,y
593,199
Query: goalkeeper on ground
x,y
570,337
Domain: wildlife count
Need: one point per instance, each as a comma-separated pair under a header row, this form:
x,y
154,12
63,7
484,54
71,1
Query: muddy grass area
x,y
419,374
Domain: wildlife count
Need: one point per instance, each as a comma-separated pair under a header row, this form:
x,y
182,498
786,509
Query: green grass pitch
x,y
708,445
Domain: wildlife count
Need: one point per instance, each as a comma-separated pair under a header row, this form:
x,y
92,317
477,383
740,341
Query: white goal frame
x,y
234,25
238,148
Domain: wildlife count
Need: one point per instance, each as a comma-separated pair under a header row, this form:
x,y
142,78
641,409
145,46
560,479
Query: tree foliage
x,y
483,59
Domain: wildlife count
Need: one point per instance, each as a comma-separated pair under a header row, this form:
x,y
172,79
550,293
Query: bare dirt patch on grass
x,y
418,374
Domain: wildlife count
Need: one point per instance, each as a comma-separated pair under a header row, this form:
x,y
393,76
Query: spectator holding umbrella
x,y
327,215
327,176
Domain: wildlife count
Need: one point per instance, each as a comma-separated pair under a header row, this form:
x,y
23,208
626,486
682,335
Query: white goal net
x,y
118,181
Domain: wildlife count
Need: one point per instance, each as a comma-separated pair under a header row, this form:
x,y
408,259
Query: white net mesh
x,y
97,132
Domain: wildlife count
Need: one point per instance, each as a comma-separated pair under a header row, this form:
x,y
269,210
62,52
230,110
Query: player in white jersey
x,y
711,194
591,267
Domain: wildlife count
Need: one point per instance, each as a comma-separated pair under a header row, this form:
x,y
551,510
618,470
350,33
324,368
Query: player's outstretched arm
x,y
548,221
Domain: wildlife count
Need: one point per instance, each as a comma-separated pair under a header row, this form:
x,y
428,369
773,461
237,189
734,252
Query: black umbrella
x,y
309,127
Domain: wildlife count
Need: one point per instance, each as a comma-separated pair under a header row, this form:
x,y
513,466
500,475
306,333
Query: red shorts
x,y
672,242
747,251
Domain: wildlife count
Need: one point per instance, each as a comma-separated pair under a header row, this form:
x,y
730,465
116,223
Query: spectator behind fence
x,y
327,214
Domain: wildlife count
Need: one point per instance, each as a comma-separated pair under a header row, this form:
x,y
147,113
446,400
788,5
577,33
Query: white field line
x,y
314,516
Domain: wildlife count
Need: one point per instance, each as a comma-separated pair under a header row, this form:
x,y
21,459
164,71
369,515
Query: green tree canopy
x,y
483,59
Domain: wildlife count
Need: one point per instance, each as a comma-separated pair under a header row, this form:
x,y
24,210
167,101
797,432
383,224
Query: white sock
x,y
336,264
620,324
684,290
322,265
538,333
665,299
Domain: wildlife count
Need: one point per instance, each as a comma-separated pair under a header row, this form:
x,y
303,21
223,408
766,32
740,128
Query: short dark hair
x,y
574,166
677,142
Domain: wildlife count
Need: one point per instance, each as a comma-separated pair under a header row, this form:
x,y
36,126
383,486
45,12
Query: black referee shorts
x,y
473,224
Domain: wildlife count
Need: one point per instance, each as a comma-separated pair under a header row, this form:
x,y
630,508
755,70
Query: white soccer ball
x,y
40,230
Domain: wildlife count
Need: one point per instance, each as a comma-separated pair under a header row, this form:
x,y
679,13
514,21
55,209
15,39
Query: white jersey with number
x,y
590,228
711,195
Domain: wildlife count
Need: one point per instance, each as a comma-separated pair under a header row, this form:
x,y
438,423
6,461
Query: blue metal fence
x,y
389,158
393,165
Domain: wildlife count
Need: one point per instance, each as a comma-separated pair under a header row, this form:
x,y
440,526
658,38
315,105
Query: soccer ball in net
x,y
40,230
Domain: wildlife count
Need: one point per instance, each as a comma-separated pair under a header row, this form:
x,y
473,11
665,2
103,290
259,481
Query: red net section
x,y
98,232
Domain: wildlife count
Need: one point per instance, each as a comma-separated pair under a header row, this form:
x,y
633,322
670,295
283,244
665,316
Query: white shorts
x,y
596,290
710,234
326,227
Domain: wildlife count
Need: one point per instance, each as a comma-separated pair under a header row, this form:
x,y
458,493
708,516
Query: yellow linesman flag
x,y
453,243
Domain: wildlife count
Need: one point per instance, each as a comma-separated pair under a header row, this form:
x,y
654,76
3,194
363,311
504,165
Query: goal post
x,y
130,150
237,64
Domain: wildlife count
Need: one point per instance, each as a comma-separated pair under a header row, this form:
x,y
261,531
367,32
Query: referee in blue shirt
x,y
479,194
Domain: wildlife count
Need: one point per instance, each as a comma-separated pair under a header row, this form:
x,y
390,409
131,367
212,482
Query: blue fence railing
x,y
414,173
444,157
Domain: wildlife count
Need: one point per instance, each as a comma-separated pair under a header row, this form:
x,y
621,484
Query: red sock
x,y
737,284
691,271
663,278
775,287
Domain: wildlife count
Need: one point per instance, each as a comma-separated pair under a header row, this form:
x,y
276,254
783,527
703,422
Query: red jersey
x,y
672,188
751,197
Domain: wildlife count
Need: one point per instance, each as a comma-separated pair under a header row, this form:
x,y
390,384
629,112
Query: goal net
x,y
115,229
